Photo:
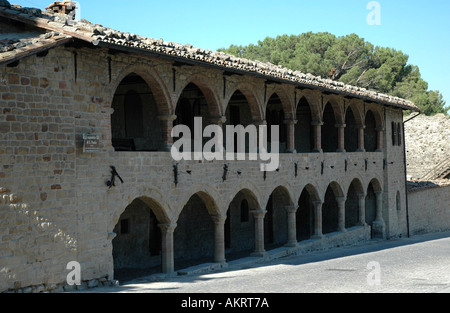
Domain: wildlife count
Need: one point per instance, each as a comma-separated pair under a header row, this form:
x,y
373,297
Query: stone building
x,y
79,99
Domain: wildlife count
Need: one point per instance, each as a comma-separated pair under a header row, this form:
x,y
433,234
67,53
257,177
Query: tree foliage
x,y
349,59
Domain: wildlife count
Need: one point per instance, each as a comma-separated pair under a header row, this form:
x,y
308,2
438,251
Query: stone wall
x,y
427,143
429,209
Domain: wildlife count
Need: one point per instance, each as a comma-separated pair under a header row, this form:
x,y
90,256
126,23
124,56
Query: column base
x,y
261,254
292,244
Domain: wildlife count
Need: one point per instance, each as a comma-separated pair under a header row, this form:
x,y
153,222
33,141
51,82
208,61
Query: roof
x,y
58,29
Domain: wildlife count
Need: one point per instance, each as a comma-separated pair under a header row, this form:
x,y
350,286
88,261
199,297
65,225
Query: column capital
x,y
317,202
378,192
290,122
291,208
339,125
219,219
341,199
259,213
168,227
167,117
317,123
361,195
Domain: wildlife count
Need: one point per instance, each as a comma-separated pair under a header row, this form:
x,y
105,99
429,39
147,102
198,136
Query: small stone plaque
x,y
91,143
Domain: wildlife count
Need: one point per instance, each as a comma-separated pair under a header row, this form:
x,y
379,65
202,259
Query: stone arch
x,y
194,236
153,80
286,102
137,240
208,90
275,221
370,133
373,187
354,121
249,91
337,104
304,133
354,192
207,194
314,98
239,231
377,113
250,189
330,210
305,213
151,197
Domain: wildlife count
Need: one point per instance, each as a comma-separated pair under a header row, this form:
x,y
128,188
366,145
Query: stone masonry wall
x,y
427,142
429,210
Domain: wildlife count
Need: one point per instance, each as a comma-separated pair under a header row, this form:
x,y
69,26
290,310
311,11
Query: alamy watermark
x,y
74,276
374,17
214,149
374,277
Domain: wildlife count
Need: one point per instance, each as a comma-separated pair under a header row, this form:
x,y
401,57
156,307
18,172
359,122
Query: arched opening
x,y
304,134
330,210
370,134
134,123
192,103
275,116
329,130
305,213
194,235
352,203
137,245
239,226
275,221
238,113
351,131
371,205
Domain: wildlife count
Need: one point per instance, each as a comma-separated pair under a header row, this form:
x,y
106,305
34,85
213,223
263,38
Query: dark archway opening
x,y
330,212
371,205
305,216
304,134
134,123
329,130
370,134
194,235
351,132
275,117
240,226
137,245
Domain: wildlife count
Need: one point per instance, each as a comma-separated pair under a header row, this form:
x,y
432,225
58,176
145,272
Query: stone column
x,y
341,137
361,144
362,209
219,238
292,225
167,252
258,216
317,220
380,138
317,136
166,127
290,127
379,226
341,213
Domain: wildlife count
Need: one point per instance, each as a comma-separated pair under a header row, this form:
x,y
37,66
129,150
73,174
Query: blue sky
x,y
421,29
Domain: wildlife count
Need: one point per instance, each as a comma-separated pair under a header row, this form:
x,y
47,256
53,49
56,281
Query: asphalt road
x,y
419,264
